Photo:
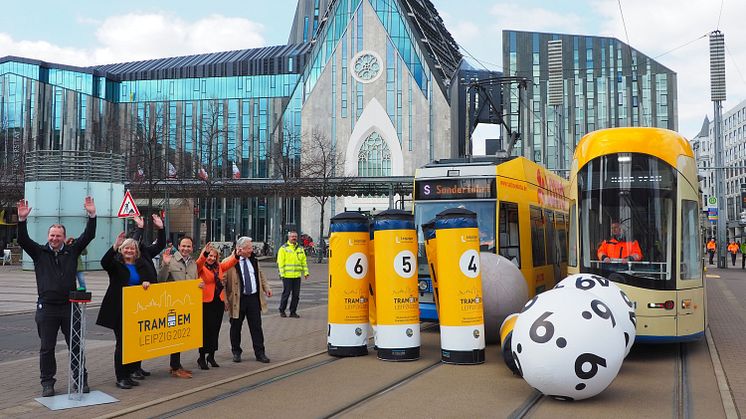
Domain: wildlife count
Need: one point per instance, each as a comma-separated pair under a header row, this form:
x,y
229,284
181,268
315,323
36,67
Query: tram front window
x,y
426,211
626,210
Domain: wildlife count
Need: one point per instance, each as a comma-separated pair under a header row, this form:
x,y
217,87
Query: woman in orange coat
x,y
210,272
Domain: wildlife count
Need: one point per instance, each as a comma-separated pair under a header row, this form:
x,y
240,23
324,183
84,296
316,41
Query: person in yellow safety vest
x,y
733,248
711,246
291,261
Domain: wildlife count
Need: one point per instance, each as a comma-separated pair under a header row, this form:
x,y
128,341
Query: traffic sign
x,y
128,207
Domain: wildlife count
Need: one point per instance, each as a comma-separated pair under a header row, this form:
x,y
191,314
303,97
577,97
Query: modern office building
x,y
372,77
734,159
600,83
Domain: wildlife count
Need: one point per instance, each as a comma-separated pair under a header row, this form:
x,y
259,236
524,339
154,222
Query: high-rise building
x,y
600,83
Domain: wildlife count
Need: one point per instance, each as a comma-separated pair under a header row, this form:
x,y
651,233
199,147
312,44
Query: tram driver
x,y
618,247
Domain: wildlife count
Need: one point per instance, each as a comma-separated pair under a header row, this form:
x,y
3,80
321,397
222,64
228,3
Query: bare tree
x,y
322,170
212,165
285,159
12,164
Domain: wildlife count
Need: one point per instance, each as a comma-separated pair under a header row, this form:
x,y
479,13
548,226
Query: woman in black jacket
x,y
125,268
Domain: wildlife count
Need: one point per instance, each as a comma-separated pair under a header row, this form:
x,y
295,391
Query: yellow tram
x,y
521,211
634,219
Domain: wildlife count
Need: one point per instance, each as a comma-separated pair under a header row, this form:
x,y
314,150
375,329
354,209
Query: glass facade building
x,y
605,83
371,75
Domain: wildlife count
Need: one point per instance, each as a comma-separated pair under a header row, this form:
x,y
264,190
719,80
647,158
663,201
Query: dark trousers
x,y
743,260
122,371
733,258
290,285
50,318
712,255
250,308
212,318
175,361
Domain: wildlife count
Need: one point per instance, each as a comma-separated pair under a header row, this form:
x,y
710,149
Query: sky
x,y
674,32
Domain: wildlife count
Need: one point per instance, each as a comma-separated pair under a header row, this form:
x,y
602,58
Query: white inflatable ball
x,y
619,303
504,290
565,345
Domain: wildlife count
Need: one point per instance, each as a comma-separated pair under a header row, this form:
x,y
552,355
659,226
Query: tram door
x,y
553,246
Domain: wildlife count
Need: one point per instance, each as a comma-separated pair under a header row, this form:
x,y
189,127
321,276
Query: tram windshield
x,y
626,213
485,210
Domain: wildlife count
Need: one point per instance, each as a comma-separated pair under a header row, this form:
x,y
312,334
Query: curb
x,y
725,393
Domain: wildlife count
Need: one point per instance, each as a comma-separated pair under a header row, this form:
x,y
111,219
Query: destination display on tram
x,y
431,189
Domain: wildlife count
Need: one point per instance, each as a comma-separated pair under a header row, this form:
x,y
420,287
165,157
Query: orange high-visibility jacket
x,y
733,248
619,249
711,245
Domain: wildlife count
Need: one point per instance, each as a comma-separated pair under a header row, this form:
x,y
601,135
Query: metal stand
x,y
76,379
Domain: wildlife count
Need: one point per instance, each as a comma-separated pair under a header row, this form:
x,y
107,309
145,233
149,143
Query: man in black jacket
x,y
55,265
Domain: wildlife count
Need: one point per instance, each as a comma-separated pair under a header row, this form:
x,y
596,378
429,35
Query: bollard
x,y
460,287
397,302
347,333
431,245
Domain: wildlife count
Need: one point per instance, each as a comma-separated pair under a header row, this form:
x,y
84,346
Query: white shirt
x,y
248,288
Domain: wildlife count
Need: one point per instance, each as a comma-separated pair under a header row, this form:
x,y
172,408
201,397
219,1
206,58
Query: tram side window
x,y
510,239
552,253
562,237
691,258
572,243
537,237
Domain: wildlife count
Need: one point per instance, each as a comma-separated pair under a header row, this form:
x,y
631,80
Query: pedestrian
x,y
711,246
79,274
245,289
743,255
55,266
733,248
126,268
291,261
212,274
147,252
177,267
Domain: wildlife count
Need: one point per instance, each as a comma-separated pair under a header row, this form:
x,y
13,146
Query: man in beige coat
x,y
178,267
245,289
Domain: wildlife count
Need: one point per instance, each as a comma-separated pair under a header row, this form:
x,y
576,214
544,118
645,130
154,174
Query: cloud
x,y
142,36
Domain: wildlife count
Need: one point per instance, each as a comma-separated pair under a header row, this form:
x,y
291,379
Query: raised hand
x,y
157,221
90,207
139,221
208,248
23,209
120,239
167,256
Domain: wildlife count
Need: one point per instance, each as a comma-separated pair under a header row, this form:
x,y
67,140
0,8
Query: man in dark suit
x,y
245,290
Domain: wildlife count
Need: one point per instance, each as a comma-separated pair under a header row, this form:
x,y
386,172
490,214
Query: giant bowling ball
x,y
566,345
613,296
504,290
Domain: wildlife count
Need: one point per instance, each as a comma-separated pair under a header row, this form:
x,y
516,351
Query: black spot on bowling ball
x,y
519,348
580,386
587,315
561,342
626,339
562,398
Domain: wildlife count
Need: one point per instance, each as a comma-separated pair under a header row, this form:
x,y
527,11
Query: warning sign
x,y
128,207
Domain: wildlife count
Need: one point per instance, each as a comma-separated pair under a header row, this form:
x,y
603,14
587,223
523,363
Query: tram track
x,y
681,396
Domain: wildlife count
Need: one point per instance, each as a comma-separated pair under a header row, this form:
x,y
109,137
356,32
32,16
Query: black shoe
x,y
282,314
131,382
47,390
236,357
143,372
202,364
123,384
295,315
211,361
137,375
263,359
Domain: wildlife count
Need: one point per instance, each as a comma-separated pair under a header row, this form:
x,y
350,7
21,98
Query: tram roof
x,y
662,143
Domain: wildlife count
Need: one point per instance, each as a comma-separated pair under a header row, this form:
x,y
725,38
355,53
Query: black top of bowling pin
x,y
455,218
428,229
394,219
349,221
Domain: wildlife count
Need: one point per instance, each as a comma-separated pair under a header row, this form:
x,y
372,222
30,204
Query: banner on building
x,y
164,319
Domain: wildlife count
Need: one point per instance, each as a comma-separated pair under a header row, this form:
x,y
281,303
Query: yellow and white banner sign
x,y
164,319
